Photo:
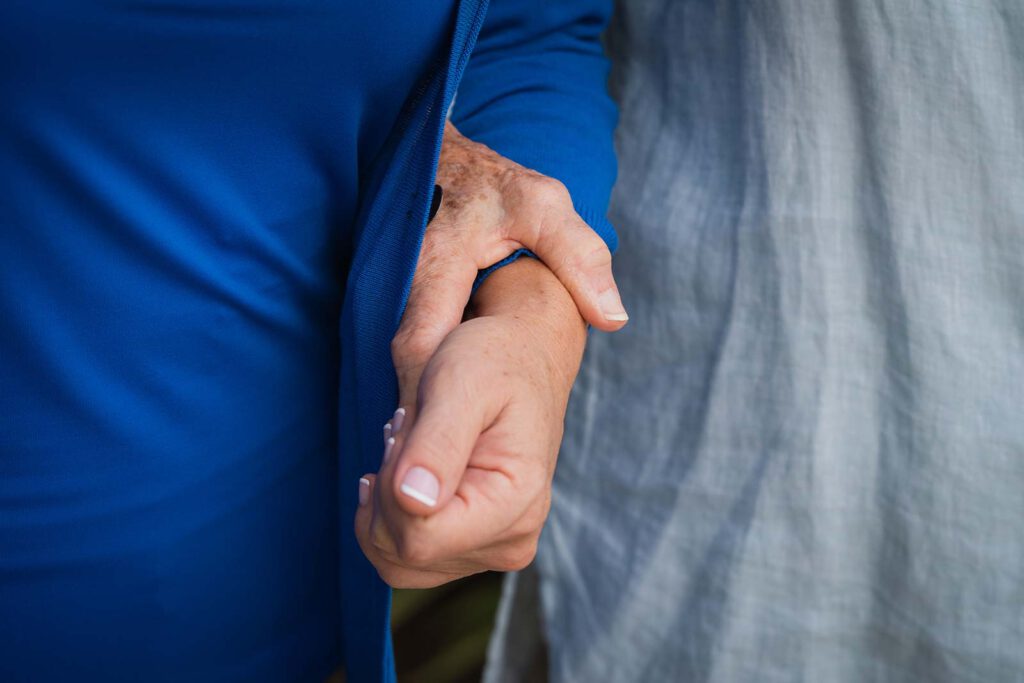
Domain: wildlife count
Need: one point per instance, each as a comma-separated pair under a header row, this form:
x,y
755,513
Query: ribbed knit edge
x,y
597,221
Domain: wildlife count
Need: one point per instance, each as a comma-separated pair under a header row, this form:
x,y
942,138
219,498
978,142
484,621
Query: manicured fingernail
x,y
611,305
397,420
419,484
388,445
387,431
364,490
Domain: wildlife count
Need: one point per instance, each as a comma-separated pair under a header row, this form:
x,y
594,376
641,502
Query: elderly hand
x,y
465,484
491,207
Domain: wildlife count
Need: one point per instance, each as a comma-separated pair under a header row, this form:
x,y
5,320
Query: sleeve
x,y
534,90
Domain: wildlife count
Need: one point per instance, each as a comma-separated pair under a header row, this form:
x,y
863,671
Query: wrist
x,y
528,292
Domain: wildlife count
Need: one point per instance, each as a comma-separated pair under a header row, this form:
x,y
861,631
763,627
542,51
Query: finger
x,y
364,516
392,572
508,481
441,288
365,484
497,512
368,531
582,262
453,409
399,576
371,526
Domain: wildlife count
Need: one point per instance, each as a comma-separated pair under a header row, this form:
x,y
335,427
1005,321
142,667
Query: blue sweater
x,y
182,199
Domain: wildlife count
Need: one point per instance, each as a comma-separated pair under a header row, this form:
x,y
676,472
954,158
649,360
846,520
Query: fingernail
x,y
397,420
611,305
419,484
387,431
388,445
364,490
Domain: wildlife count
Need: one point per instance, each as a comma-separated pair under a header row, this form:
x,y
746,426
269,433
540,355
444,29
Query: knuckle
x,y
455,377
518,557
390,576
549,191
536,517
535,189
441,246
592,253
414,552
380,538
412,345
597,252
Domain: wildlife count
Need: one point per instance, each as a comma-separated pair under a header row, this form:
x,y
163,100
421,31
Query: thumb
x,y
583,264
436,451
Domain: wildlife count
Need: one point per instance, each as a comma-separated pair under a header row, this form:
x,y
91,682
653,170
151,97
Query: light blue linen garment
x,y
803,460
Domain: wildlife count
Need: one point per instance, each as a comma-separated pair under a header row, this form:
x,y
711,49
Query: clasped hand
x,y
465,483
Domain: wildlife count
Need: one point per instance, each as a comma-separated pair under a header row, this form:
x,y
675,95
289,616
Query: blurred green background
x,y
441,634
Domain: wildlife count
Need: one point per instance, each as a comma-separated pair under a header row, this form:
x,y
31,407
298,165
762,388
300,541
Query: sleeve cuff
x,y
514,256
597,221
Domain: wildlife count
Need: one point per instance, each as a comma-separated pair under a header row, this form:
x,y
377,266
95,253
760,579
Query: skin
x,y
487,420
492,206
484,382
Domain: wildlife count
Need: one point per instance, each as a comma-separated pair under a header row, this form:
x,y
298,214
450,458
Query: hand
x,y
465,486
491,207
481,451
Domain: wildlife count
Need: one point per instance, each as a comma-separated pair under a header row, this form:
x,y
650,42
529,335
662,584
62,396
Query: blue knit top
x,y
209,216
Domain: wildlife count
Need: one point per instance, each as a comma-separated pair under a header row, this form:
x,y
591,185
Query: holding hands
x,y
466,479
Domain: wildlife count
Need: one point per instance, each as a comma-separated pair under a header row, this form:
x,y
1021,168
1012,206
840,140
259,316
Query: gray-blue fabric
x,y
803,459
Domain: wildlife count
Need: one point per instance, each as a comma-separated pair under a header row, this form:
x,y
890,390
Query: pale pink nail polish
x,y
387,448
387,431
364,491
420,484
397,420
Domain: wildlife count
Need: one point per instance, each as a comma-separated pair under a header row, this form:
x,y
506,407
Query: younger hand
x,y
466,485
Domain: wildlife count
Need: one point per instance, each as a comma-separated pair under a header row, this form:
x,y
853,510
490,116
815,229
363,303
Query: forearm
x,y
528,291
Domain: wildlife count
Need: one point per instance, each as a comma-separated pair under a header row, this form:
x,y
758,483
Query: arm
x,y
535,91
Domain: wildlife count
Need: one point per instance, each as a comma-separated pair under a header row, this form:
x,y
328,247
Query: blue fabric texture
x,y
514,256
535,91
210,213
178,186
